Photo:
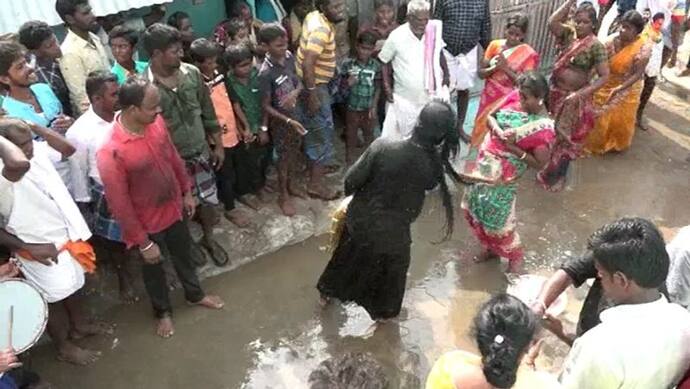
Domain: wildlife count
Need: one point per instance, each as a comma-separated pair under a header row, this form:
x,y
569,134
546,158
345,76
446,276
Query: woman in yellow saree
x,y
617,101
504,61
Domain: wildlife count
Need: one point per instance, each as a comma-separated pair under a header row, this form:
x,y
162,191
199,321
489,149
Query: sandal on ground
x,y
217,252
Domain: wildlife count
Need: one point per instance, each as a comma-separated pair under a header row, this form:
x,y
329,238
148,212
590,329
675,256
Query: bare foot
x,y
238,218
71,353
91,328
296,191
287,206
263,195
210,302
165,327
127,295
250,201
485,256
322,193
324,301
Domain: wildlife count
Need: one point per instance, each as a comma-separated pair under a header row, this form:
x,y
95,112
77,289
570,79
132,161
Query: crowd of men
x,y
115,155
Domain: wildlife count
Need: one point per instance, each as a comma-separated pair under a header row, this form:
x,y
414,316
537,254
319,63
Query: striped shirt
x,y
318,36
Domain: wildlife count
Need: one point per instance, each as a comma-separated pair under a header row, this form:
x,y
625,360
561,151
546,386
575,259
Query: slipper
x,y
197,255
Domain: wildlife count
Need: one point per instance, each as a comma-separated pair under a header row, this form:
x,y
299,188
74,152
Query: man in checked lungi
x,y
191,120
88,134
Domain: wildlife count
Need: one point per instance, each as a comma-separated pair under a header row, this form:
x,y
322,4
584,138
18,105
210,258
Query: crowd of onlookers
x,y
114,139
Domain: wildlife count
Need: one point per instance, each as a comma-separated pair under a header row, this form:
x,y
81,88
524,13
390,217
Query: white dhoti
x,y
463,69
43,212
401,116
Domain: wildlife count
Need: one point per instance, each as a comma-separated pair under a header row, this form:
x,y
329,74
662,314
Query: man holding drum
x,y
50,248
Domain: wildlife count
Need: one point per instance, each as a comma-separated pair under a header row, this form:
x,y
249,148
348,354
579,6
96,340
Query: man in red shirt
x,y
149,193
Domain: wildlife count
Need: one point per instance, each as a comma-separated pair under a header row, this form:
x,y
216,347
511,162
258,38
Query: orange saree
x,y
615,124
521,58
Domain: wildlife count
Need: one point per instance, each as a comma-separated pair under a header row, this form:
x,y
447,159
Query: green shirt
x,y
188,111
361,96
248,97
122,74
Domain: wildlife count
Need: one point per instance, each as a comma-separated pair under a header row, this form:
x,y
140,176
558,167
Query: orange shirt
x,y
223,107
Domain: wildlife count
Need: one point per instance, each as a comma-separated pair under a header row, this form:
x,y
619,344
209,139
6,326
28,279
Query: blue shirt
x,y
46,98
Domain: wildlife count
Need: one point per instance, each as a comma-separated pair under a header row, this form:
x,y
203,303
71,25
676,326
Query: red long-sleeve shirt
x,y
144,179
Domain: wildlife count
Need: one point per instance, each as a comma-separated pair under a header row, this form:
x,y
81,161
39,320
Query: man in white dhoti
x,y
44,229
414,69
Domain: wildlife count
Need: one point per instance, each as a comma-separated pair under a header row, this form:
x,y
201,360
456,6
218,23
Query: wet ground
x,y
272,333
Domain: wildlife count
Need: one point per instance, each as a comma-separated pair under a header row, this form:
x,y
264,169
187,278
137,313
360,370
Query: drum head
x,y
30,315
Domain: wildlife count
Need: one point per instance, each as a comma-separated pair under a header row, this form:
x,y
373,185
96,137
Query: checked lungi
x,y
101,220
203,179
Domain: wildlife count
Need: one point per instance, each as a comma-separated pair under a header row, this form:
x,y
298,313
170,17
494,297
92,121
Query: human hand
x,y
313,103
352,79
290,101
532,354
538,307
614,92
372,113
8,270
297,126
189,204
152,255
62,123
389,95
247,136
217,157
8,360
501,61
264,138
553,324
44,253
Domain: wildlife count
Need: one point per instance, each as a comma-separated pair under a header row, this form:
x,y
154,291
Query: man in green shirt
x,y
189,115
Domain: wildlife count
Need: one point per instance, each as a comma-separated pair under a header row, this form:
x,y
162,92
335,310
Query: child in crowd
x,y
362,76
242,83
293,22
280,89
383,23
237,32
204,55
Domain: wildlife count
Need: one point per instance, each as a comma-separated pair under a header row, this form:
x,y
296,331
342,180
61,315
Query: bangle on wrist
x,y
147,248
288,121
524,155
310,88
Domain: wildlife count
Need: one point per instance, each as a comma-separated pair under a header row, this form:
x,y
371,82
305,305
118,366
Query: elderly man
x,y
82,50
53,254
407,80
466,25
316,64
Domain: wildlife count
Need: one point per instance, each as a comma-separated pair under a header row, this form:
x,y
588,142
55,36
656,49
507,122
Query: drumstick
x,y
9,335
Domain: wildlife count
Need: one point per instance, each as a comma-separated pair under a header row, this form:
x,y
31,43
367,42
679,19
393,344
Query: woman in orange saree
x,y
504,61
616,103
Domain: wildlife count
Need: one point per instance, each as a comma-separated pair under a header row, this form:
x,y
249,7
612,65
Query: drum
x,y
23,315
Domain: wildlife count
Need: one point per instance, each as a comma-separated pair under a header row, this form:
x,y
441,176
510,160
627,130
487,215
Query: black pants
x,y
227,178
177,240
647,89
251,161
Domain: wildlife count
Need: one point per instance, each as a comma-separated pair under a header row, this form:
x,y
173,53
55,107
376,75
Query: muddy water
x,y
272,334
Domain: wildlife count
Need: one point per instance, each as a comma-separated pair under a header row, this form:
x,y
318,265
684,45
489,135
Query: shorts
x,y
463,69
203,178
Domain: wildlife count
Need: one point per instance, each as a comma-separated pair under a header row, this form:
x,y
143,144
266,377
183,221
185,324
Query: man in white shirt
x,y
82,50
88,134
643,341
407,82
42,226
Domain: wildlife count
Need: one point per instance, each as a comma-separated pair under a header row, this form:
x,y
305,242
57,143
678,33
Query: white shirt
x,y
678,280
405,52
635,346
87,134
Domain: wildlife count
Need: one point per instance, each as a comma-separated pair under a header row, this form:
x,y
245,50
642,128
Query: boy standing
x,y
364,88
642,342
243,86
204,55
280,89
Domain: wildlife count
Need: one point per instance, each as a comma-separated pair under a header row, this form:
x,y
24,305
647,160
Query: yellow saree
x,y
615,124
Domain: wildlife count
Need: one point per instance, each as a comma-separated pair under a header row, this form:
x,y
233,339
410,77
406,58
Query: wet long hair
x,y
435,132
503,329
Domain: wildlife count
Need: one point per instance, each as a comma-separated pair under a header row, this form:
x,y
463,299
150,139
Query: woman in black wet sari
x,y
388,184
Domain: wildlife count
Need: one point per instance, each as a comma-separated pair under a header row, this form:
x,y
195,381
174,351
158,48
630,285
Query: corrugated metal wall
x,y
538,12
15,12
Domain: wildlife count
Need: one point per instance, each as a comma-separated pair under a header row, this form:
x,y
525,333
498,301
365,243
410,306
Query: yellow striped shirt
x,y
318,36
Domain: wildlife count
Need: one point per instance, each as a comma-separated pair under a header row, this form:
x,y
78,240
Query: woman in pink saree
x,y
504,61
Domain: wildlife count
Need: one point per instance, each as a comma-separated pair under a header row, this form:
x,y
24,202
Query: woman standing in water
x,y
504,330
504,61
617,101
573,83
519,137
388,185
